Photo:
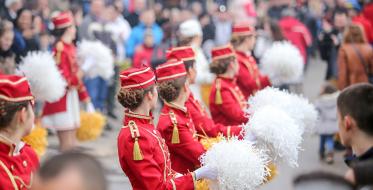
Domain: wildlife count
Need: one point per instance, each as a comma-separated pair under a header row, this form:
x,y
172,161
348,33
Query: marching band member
x,y
175,123
249,78
18,161
227,103
143,154
63,115
205,126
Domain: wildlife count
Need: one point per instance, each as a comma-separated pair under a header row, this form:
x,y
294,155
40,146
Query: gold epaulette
x,y
175,131
218,98
59,49
135,134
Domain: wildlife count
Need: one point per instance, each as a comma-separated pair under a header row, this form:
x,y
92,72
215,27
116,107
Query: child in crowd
x,y
326,104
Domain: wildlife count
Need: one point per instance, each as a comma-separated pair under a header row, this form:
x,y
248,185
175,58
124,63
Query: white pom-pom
x,y
46,82
283,63
239,164
295,106
276,132
97,59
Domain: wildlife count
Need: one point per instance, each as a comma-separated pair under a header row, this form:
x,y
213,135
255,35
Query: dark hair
x,y
221,66
19,13
58,33
276,31
357,102
170,90
184,41
318,176
90,169
132,99
329,89
8,110
189,64
238,40
5,26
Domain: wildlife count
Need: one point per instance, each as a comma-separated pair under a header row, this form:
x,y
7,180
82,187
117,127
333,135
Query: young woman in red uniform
x,y
227,103
205,126
18,161
143,154
249,78
175,123
64,114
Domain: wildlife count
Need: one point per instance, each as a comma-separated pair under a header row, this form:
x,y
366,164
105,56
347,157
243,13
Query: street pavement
x,y
106,151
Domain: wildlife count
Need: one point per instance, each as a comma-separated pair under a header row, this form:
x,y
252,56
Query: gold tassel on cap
x,y
218,98
137,155
175,131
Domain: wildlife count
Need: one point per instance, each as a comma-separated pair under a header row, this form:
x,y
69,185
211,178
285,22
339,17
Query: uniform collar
x,y
241,53
10,148
177,107
227,78
145,119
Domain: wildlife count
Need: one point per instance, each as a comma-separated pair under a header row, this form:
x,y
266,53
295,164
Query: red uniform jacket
x,y
185,153
249,78
142,57
19,168
205,126
231,109
297,33
154,171
65,55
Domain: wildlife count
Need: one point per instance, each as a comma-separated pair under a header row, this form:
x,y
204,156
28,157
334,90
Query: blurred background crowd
x,y
339,32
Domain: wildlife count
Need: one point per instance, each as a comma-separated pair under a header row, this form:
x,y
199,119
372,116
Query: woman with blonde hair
x,y
355,58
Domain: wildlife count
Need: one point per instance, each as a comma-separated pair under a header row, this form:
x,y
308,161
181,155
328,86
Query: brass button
x,y
24,163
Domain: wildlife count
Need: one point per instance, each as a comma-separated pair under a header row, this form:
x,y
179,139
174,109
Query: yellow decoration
x,y
91,126
205,91
207,143
202,185
175,139
137,155
218,98
37,139
272,171
175,135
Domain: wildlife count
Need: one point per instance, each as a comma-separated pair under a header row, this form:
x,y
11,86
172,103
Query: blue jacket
x,y
137,37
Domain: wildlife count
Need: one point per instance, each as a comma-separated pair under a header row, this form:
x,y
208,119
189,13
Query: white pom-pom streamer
x,y
46,82
96,58
297,107
239,164
283,63
276,132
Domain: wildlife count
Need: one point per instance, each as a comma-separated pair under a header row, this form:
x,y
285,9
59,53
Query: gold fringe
x,y
202,185
272,172
175,135
137,155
